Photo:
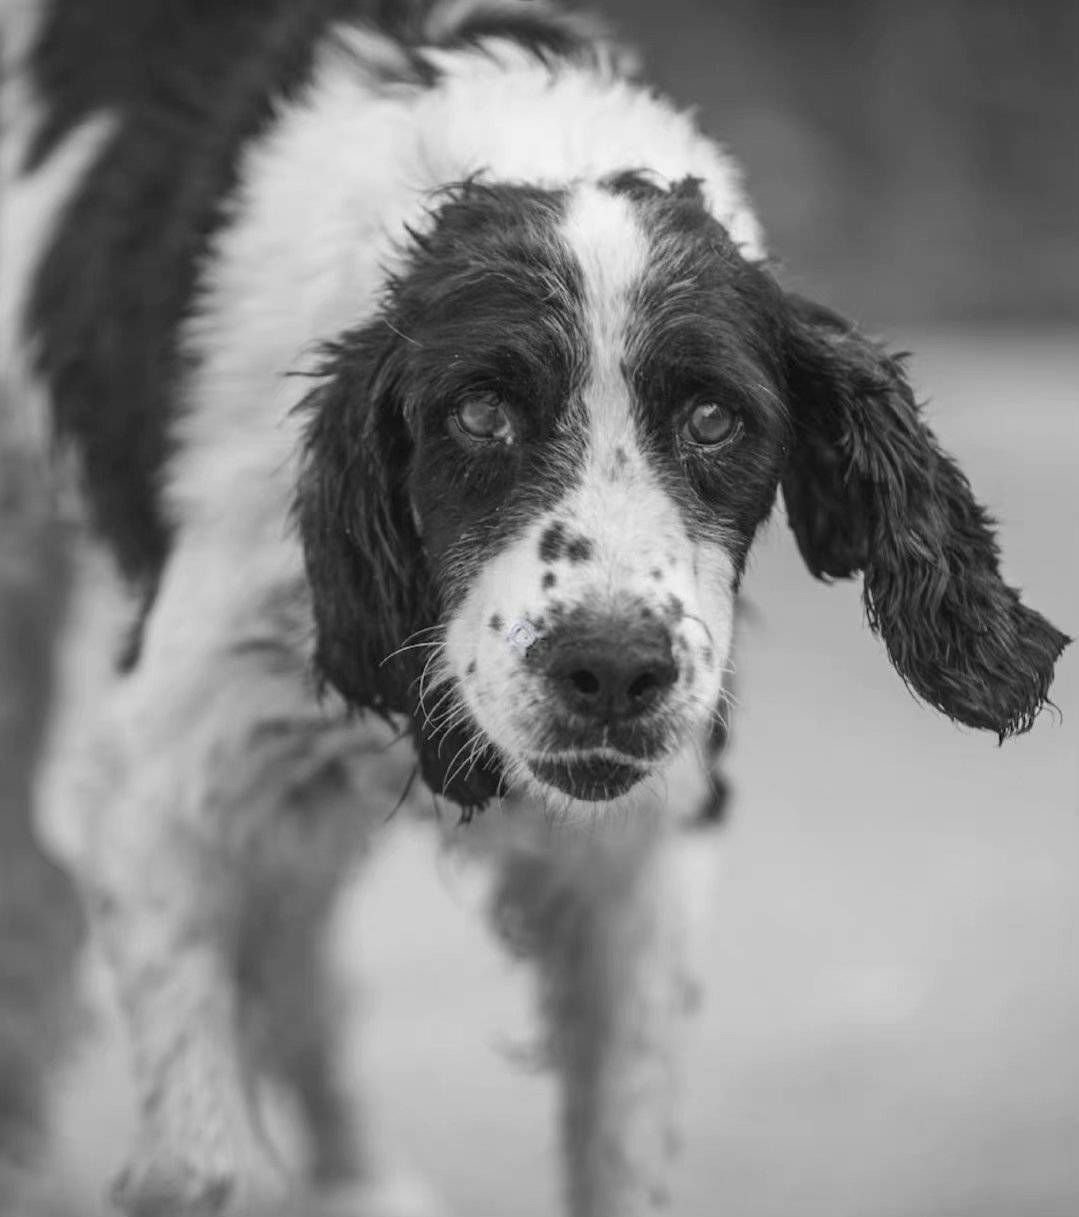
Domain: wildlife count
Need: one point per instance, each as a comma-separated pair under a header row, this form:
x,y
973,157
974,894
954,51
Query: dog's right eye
x,y
484,419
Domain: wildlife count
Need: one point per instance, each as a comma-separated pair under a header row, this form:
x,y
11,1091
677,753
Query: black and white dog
x,y
426,386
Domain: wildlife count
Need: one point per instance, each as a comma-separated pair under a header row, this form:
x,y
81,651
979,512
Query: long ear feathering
x,y
868,488
363,557
371,589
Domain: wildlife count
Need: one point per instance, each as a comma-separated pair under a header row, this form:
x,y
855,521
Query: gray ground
x,y
893,961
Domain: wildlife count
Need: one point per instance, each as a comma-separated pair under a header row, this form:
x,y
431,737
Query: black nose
x,y
611,670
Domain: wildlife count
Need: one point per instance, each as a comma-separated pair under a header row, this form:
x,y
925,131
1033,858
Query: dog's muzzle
x,y
607,680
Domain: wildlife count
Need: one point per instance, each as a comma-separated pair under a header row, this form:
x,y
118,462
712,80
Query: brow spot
x,y
616,469
579,549
549,580
676,608
656,573
552,542
471,669
496,623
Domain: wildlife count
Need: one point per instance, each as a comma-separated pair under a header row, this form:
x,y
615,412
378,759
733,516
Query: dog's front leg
x,y
164,906
179,804
604,921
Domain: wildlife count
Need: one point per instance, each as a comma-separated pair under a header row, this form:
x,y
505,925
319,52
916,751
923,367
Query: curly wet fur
x,y
375,603
869,489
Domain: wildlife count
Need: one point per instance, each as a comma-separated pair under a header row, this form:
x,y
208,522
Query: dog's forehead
x,y
605,236
661,283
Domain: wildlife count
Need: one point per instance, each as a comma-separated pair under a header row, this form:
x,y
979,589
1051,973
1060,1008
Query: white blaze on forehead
x,y
612,249
619,503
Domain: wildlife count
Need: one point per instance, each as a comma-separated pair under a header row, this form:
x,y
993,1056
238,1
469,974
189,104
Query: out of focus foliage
x,y
911,158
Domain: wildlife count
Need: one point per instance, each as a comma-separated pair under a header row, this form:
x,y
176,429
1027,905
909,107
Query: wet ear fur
x,y
868,489
371,588
363,555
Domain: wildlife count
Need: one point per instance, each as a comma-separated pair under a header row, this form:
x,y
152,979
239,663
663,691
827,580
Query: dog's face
x,y
587,488
532,483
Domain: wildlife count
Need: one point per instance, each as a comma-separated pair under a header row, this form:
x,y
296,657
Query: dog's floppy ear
x,y
868,489
371,589
368,581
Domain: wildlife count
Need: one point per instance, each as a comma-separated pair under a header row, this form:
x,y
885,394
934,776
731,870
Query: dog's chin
x,y
596,775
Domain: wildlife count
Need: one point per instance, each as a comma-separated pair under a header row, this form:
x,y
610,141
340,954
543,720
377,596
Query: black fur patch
x,y
552,542
579,550
716,806
189,84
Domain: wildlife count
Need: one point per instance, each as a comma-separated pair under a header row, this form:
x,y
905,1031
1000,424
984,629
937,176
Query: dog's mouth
x,y
592,775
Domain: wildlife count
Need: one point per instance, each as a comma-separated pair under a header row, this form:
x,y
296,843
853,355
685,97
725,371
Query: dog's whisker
x,y
454,768
415,646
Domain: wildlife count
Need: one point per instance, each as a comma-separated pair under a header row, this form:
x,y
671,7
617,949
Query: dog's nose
x,y
611,670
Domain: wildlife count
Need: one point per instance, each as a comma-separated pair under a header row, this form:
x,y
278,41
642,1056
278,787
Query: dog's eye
x,y
708,425
484,417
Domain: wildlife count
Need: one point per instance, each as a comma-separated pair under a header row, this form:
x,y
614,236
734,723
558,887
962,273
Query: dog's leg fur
x,y
206,754
603,920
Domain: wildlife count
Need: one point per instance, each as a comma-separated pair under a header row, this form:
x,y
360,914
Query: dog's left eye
x,y
708,425
484,417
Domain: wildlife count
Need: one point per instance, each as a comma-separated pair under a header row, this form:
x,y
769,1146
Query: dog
x,y
414,381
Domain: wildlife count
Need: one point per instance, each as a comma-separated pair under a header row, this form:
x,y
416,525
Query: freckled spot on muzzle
x,y
579,550
552,542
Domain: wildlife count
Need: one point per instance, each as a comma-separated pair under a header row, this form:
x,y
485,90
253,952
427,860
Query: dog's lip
x,y
602,752
589,774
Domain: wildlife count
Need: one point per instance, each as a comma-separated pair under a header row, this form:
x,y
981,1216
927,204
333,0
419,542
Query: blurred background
x,y
891,962
912,158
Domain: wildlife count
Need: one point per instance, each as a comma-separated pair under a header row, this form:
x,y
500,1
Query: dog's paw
x,y
391,1196
160,1185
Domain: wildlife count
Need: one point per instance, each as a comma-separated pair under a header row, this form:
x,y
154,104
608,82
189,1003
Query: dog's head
x,y
532,481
